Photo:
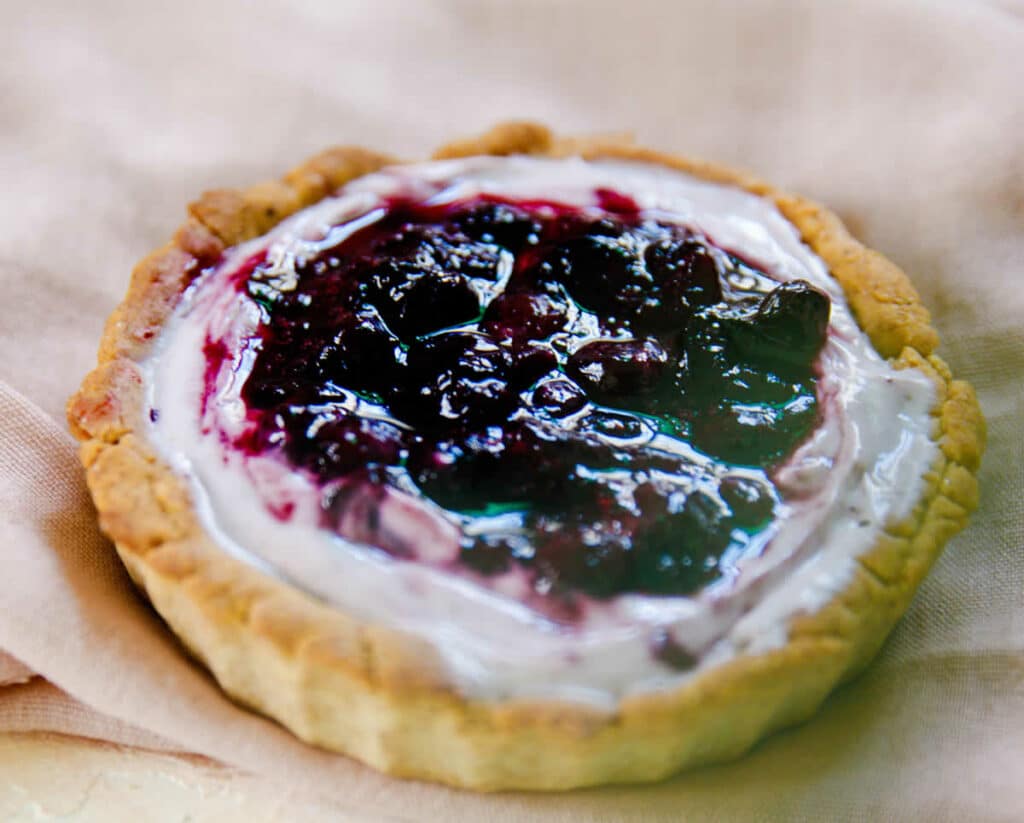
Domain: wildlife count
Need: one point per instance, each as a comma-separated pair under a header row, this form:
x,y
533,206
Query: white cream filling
x,y
861,469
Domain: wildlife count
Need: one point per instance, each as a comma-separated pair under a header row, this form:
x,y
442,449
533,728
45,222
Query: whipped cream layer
x,y
861,469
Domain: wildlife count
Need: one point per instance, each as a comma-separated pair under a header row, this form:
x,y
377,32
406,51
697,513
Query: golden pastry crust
x,y
378,695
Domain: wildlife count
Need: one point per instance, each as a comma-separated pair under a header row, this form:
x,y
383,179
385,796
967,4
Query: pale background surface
x,y
906,117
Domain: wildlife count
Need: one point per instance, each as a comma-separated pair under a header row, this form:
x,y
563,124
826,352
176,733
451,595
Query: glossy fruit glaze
x,y
596,397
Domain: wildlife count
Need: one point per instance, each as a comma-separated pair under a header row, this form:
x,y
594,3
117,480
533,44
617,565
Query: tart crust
x,y
378,695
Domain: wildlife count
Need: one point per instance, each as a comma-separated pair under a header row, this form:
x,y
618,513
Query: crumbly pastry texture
x,y
378,695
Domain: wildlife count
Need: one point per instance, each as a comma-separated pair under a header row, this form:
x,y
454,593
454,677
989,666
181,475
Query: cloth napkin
x,y
905,117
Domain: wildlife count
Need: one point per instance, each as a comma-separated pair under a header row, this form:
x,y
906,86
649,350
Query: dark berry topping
x,y
499,223
679,550
532,369
686,277
559,397
750,501
794,317
433,302
362,354
530,362
616,426
455,378
604,274
524,315
588,557
343,444
667,649
614,368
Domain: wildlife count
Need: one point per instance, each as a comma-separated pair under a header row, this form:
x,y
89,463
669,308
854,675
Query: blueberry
x,y
726,357
493,465
603,567
613,368
604,274
435,301
521,315
715,375
403,240
455,377
587,550
563,561
330,444
795,317
749,500
753,434
268,390
541,277
476,260
288,369
668,650
677,552
530,362
559,397
422,252
385,282
641,308
458,473
686,277
538,463
615,425
498,223
362,354
567,227
486,556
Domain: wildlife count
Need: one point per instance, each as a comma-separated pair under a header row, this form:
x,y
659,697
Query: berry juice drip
x,y
598,399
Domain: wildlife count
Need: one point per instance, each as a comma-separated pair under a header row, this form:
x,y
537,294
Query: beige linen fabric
x,y
13,671
907,118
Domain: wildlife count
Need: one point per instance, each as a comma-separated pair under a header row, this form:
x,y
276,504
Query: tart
x,y
544,464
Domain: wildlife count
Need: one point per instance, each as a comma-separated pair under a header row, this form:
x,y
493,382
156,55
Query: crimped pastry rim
x,y
377,694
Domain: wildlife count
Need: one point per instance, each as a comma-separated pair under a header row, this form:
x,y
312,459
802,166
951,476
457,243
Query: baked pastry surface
x,y
381,695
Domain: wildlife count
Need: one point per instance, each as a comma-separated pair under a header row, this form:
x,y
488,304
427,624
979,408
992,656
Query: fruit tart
x,y
543,464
